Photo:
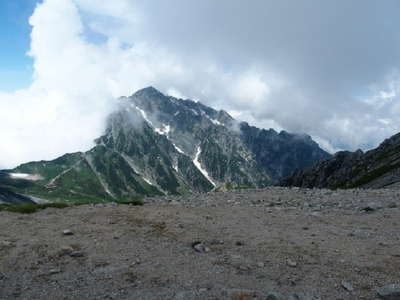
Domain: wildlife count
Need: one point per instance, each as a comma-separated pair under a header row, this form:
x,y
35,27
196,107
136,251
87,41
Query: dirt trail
x,y
313,243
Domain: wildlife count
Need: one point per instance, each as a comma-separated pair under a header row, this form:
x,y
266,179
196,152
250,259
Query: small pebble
x,y
77,253
347,285
291,263
260,265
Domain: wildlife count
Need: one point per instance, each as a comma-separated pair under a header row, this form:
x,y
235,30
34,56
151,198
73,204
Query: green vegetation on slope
x,y
32,208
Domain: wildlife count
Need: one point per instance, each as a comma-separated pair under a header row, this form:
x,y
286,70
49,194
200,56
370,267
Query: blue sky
x,y
15,65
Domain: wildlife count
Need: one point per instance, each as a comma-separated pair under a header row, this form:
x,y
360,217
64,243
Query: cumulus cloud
x,y
330,69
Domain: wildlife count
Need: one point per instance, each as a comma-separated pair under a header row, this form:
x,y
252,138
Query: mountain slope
x,y
376,168
157,145
282,153
9,197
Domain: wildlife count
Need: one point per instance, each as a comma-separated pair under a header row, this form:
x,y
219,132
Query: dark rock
x,y
371,207
368,209
66,250
274,296
198,246
77,253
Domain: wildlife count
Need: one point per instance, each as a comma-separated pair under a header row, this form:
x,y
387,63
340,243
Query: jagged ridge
x,y
376,168
156,145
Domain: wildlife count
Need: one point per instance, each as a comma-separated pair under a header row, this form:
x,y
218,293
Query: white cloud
x,y
251,88
175,93
275,64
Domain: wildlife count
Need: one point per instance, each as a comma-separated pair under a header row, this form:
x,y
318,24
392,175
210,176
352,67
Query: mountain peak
x,y
148,91
157,144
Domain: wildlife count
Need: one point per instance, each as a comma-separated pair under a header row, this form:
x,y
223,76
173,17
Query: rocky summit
x,y
160,145
376,168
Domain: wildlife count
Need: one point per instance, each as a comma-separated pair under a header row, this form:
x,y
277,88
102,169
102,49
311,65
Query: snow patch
x,y
19,175
38,200
198,166
130,162
164,130
144,115
134,168
178,149
175,166
148,181
31,177
214,121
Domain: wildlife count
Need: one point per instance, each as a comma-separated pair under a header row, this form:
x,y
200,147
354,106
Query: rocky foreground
x,y
270,244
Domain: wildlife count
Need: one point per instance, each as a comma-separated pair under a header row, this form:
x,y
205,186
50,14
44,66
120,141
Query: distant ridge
x,y
377,168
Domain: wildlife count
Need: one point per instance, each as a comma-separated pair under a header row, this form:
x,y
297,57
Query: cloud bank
x,y
329,69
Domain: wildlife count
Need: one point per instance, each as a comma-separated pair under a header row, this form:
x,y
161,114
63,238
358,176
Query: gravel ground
x,y
298,243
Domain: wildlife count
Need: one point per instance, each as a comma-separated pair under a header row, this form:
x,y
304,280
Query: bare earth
x,y
304,244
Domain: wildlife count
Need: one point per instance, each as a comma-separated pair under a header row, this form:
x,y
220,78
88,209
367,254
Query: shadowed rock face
x,y
376,168
9,197
282,153
157,145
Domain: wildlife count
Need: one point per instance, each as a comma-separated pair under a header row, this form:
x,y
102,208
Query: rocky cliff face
x,y
281,153
156,145
376,168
